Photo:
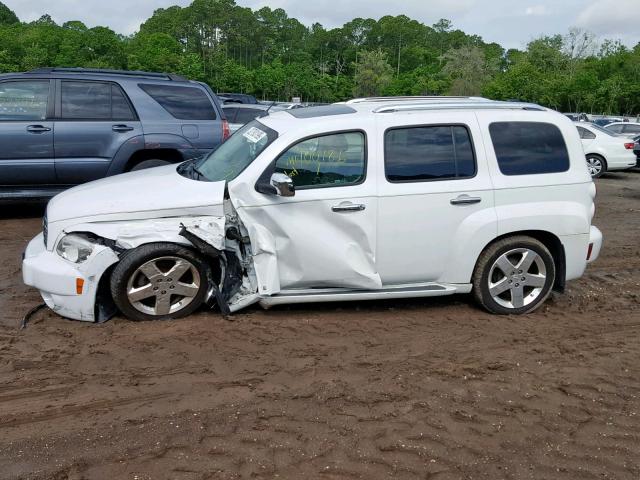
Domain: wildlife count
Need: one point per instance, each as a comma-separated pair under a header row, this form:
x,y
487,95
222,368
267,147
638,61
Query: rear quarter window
x,y
184,103
529,148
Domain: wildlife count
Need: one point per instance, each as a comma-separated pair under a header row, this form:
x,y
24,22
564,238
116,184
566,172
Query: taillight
x,y
629,146
226,131
589,251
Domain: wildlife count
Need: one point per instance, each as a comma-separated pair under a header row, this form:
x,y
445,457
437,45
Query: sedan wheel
x,y
595,165
163,286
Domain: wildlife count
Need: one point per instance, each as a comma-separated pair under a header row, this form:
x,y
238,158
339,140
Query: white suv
x,y
370,199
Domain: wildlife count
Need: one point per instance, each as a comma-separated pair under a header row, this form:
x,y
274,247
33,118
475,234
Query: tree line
x,y
273,56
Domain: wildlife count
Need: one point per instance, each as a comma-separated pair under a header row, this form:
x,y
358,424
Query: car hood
x,y
152,193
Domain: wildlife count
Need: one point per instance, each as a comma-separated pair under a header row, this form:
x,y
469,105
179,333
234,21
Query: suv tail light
x,y
629,146
226,131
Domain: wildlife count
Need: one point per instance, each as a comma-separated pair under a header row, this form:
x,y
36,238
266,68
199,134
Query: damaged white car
x,y
372,199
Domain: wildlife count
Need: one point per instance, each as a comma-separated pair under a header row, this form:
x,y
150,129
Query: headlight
x,y
75,248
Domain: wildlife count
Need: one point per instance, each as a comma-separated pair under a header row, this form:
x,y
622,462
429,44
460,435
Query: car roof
x,y
98,74
366,107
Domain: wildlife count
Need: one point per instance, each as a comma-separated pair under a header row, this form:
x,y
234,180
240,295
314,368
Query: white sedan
x,y
605,151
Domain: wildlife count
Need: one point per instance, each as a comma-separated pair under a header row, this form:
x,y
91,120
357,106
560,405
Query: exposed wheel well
x,y
553,243
168,154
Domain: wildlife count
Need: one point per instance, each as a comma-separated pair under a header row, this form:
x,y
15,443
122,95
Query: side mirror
x,y
283,184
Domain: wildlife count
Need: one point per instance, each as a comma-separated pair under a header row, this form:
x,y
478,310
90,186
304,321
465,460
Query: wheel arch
x,y
169,154
549,240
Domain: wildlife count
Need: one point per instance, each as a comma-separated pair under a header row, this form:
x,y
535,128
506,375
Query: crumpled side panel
x,y
131,234
265,260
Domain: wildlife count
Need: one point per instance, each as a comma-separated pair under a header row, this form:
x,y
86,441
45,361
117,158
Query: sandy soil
x,y
433,389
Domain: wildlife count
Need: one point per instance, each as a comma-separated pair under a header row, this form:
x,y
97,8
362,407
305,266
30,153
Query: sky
x,y
511,23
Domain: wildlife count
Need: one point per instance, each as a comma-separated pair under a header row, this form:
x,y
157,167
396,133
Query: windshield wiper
x,y
190,170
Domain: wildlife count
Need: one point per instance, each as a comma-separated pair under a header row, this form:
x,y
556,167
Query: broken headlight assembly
x,y
75,247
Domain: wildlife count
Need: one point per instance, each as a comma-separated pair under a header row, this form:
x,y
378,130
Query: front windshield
x,y
233,156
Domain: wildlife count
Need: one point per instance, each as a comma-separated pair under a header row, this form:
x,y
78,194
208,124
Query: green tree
x,y
373,74
7,16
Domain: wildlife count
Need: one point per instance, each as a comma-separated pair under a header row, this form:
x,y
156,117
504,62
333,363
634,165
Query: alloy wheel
x,y
163,286
517,278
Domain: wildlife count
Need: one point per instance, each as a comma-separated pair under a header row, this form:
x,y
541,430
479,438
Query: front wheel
x,y
596,165
514,276
159,281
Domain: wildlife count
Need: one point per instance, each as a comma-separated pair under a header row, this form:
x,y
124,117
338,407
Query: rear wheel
x,y
514,276
153,162
596,165
159,281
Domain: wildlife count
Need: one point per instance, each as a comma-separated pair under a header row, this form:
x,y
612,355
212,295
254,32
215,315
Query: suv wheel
x,y
149,164
596,165
159,281
514,276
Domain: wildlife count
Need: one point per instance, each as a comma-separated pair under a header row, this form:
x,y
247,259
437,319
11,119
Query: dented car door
x,y
324,236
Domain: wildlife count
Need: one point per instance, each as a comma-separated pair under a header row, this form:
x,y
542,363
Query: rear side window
x,y
93,101
615,128
184,103
24,100
231,114
529,148
586,134
245,115
428,153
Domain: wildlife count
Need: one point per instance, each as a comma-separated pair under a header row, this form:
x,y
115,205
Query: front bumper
x,y
57,279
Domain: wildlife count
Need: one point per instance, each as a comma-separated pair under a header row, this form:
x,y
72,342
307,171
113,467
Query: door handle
x,y
37,129
348,207
121,128
465,200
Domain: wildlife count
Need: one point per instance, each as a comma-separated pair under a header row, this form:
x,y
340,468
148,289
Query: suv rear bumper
x,y
595,244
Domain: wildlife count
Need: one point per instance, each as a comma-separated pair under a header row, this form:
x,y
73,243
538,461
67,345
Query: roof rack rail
x,y
488,105
105,71
412,99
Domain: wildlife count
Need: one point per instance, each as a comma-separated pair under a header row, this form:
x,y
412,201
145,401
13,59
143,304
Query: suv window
x,y
332,160
93,101
586,134
428,153
184,103
526,148
24,100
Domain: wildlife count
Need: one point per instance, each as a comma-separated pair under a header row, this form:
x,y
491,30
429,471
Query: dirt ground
x,y
430,388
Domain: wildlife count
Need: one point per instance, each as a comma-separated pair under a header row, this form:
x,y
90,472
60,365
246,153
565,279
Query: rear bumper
x,y
56,279
595,244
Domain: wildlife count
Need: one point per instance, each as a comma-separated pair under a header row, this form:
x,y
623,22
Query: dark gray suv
x,y
64,126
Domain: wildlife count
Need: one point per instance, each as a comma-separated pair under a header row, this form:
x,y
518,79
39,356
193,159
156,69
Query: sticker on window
x,y
254,135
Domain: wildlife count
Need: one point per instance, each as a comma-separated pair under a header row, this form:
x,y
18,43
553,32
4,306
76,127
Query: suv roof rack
x,y
474,104
413,99
105,71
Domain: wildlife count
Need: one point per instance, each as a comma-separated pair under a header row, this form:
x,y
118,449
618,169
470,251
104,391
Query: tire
x,y
154,162
144,288
514,296
597,165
